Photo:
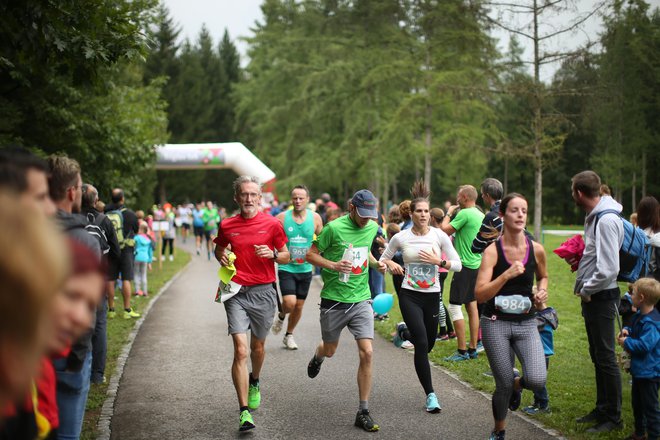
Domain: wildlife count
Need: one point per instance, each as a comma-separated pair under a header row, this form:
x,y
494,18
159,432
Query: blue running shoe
x,y
457,357
397,339
432,404
480,347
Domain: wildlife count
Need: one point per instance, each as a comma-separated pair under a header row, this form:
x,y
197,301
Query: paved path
x,y
177,382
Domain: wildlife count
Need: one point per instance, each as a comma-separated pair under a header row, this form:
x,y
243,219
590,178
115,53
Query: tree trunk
x,y
643,175
633,197
506,173
538,132
428,160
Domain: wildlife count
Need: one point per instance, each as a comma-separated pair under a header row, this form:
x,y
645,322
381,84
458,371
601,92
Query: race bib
x,y
298,254
360,260
226,291
421,275
513,304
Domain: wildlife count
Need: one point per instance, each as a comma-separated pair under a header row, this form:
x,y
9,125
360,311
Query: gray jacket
x,y
599,265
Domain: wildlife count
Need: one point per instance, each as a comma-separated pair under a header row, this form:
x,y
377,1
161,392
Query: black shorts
x,y
199,231
186,226
295,283
124,265
462,286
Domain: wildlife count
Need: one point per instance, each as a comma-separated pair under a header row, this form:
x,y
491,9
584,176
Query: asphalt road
x,y
177,381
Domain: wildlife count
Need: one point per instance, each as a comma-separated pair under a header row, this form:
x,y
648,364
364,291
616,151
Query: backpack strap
x,y
602,213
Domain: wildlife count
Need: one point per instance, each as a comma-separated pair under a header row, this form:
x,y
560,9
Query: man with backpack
x,y
100,226
596,285
125,223
73,371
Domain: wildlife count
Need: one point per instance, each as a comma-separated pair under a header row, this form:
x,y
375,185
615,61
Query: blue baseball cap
x,y
365,203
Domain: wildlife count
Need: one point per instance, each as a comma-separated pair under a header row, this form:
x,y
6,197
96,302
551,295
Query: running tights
x,y
499,337
420,313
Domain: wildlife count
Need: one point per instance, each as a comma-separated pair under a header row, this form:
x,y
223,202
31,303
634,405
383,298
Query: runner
x,y
347,304
258,241
504,284
211,220
422,247
198,226
300,224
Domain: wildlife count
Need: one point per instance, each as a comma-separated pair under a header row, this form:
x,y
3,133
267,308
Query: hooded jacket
x,y
643,344
599,265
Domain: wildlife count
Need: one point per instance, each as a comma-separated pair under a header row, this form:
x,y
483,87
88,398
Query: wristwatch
x,y
443,263
275,254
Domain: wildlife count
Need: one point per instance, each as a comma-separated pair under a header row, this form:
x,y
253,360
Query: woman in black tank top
x,y
504,283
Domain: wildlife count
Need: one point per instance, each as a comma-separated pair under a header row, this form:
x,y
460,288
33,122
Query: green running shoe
x,y
245,422
254,396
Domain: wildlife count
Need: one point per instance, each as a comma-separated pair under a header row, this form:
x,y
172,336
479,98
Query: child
x,y
547,322
143,257
642,341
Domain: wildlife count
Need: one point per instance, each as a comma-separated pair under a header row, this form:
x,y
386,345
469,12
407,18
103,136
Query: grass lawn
x,y
118,332
571,381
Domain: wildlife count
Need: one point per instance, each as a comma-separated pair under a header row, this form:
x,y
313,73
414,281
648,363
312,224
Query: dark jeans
x,y
541,398
599,317
100,342
645,407
376,282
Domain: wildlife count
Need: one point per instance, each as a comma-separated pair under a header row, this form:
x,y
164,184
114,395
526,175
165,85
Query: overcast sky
x,y
239,16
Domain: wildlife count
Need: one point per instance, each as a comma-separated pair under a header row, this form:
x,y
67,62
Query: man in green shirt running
x,y
466,226
300,225
348,303
211,220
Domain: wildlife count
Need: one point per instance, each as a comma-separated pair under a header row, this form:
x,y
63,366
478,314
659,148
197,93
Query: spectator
x,y
27,175
126,227
648,219
404,212
90,198
491,227
597,287
143,258
327,201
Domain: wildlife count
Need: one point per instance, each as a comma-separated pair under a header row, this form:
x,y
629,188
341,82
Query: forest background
x,y
340,95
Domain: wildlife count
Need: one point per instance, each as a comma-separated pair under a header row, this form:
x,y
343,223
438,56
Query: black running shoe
x,y
516,396
313,367
363,420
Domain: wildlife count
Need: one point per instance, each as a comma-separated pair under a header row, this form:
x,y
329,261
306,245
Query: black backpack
x,y
94,228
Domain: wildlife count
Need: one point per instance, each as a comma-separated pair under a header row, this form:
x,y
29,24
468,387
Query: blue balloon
x,y
383,302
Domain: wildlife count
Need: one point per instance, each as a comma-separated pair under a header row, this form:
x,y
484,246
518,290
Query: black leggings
x,y
167,241
420,312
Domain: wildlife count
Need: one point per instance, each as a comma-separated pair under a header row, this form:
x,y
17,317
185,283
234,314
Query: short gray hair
x,y
90,195
245,179
493,188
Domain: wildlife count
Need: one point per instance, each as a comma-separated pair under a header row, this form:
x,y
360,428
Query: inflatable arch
x,y
232,155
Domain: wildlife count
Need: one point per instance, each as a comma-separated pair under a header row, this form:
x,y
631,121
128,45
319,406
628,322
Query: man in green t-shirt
x,y
465,225
348,303
211,219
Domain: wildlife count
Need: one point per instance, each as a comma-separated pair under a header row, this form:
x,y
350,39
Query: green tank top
x,y
300,238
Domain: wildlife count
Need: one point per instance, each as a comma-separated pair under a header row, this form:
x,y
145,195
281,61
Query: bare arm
x,y
446,220
486,287
318,224
220,255
314,257
541,274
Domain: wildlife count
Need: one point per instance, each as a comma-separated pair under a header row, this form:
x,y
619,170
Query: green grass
x,y
118,332
571,380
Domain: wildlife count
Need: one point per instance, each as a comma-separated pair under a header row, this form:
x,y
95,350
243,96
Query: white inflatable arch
x,y
232,155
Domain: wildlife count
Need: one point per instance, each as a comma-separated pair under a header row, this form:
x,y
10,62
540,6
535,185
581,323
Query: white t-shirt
x,y
420,276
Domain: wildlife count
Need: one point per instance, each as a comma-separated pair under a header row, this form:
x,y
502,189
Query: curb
x,y
105,418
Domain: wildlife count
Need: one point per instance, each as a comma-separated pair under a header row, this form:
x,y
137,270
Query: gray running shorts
x,y
359,319
253,308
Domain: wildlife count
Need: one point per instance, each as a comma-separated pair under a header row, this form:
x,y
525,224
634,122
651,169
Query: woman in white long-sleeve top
x,y
419,298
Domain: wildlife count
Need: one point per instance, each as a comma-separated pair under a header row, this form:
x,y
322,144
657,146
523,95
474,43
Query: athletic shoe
x,y
162,258
496,435
198,252
363,420
254,396
593,416
473,354
480,347
397,340
277,324
289,342
444,337
130,313
516,395
533,410
139,293
245,422
112,314
432,404
457,357
313,367
171,257
452,335
407,345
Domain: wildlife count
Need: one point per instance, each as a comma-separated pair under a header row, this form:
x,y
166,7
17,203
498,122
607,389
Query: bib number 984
x,y
513,304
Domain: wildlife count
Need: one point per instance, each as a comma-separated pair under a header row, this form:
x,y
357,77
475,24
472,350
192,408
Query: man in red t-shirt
x,y
259,241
